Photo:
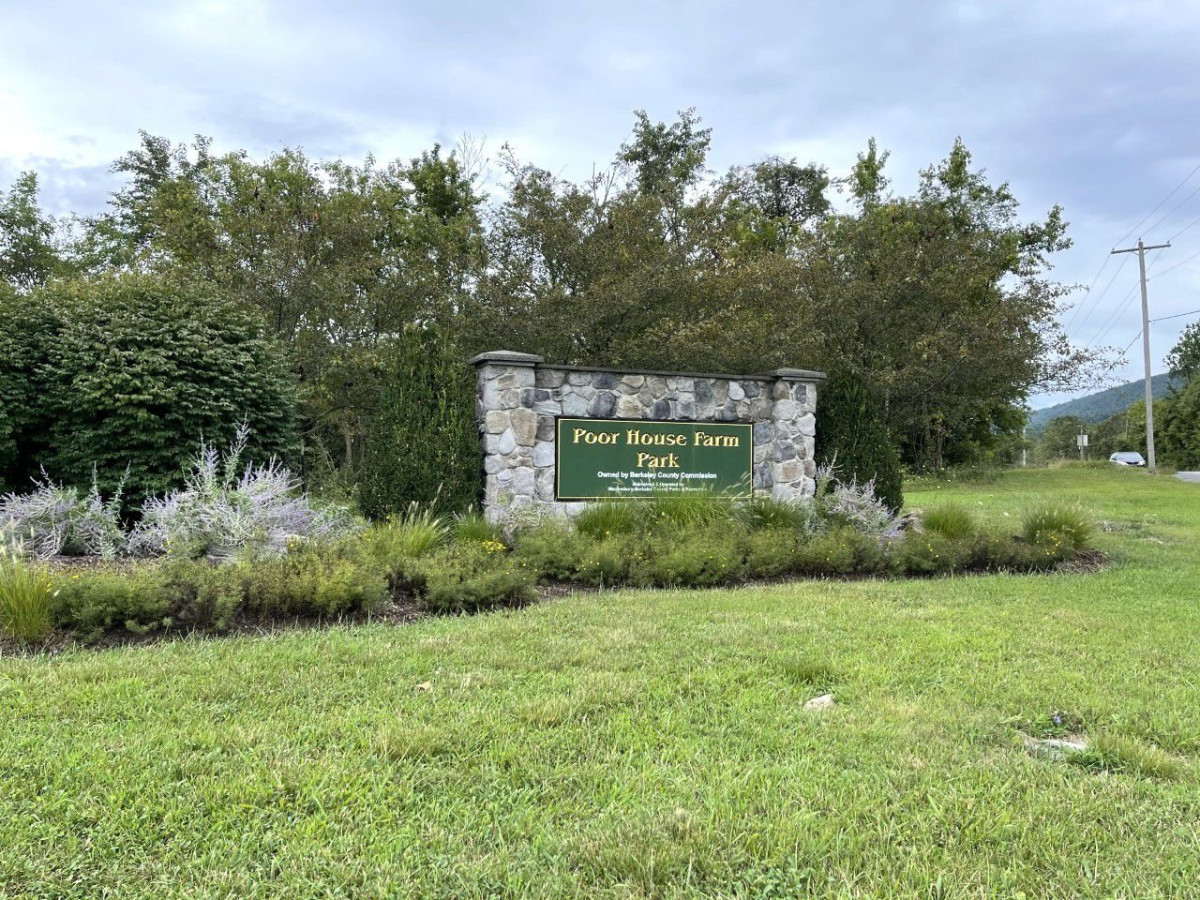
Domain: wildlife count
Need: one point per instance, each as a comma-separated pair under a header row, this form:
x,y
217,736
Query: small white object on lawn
x,y
825,701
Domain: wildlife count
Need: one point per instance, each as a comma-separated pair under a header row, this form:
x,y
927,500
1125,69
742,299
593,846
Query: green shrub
x,y
852,435
1057,523
606,561
203,596
609,517
688,557
26,599
766,512
931,553
950,521
840,551
91,603
468,578
552,549
423,441
313,581
771,552
140,369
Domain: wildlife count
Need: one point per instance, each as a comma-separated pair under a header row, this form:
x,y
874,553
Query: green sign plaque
x,y
603,459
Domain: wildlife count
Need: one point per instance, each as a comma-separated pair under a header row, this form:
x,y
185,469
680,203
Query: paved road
x,y
1188,476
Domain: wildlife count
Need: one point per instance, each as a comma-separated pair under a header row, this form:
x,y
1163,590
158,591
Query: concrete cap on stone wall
x,y
509,357
797,374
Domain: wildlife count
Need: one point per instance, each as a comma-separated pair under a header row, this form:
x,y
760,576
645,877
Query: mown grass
x,y
649,744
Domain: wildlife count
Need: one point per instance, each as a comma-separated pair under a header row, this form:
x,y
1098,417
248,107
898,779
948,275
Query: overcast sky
x,y
1092,105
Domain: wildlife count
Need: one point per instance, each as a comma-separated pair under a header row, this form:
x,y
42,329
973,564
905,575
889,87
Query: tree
x,y
1183,361
28,255
852,436
1059,439
424,441
139,370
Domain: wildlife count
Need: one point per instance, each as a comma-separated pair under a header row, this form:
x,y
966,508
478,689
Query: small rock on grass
x,y
825,701
1054,748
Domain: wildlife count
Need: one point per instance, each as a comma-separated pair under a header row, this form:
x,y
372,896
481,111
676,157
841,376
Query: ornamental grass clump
x,y
1057,524
26,598
950,521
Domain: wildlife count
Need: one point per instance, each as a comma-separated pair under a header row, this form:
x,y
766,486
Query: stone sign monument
x,y
557,437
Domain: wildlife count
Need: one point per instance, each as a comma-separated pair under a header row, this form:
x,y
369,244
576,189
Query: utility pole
x,y
1140,250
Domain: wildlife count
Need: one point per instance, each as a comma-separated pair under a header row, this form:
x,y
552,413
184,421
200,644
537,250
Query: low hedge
x,y
469,566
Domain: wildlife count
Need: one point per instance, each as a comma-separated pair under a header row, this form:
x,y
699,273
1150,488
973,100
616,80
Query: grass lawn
x,y
648,743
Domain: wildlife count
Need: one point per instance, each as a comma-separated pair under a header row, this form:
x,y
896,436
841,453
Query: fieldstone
x,y
810,468
543,481
785,410
605,381
627,388
657,385
825,701
579,378
507,379
586,391
720,392
550,407
629,408
705,411
736,392
785,450
603,404
764,433
492,395
510,397
787,472
725,414
781,390
545,429
495,421
574,405
762,452
661,409
704,392
680,383
543,454
503,479
507,442
524,425
522,481
761,408
742,408
808,425
686,410
751,388
493,463
522,456
764,476
549,378
634,381
645,397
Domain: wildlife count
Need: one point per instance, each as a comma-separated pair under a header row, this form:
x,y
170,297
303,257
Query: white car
x,y
1127,458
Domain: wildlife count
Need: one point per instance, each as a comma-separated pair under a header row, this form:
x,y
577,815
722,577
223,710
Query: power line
x,y
1100,296
1182,230
1108,324
1135,337
1160,203
1171,212
1176,316
1079,308
1176,266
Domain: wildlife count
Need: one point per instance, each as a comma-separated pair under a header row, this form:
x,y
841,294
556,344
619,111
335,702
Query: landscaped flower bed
x,y
227,551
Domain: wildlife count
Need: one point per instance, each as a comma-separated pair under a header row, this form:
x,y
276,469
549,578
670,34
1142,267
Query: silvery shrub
x,y
852,502
225,509
53,520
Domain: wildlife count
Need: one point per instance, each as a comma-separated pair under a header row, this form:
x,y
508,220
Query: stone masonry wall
x,y
518,398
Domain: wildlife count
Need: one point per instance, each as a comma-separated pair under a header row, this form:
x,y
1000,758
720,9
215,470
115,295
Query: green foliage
x,y
26,599
689,510
28,255
950,521
932,553
852,435
1057,521
598,520
1178,438
688,556
90,603
178,365
473,527
554,549
27,324
766,512
312,581
1104,404
1184,358
772,552
424,441
416,533
472,577
1058,439
840,551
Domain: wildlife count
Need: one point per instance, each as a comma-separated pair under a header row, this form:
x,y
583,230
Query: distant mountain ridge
x,y
1103,404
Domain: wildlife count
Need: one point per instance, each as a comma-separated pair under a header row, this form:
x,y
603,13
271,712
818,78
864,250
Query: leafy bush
x,y
1057,523
688,557
851,434
313,581
53,520
471,577
423,444
932,553
140,368
552,549
950,521
771,552
26,596
840,551
219,512
92,603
